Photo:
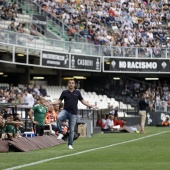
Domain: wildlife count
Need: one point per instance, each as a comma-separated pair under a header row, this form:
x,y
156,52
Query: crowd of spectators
x,y
158,97
10,121
17,95
158,94
9,12
126,23
112,123
112,23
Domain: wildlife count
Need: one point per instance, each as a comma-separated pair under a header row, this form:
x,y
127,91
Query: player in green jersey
x,y
39,112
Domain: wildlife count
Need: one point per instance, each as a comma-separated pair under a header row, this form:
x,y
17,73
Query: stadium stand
x,y
118,23
124,98
53,93
115,27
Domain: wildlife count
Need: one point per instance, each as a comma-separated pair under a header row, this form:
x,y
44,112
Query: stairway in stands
x,y
57,29
31,9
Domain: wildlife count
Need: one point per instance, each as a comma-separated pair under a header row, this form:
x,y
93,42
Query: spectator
x,y
72,31
161,36
27,87
43,91
51,118
18,98
9,127
28,98
36,91
11,27
104,123
16,130
33,31
157,51
3,132
110,124
19,26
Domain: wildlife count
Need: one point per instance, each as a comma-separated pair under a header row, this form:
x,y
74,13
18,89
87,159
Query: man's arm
x,y
32,100
88,105
56,102
14,123
30,113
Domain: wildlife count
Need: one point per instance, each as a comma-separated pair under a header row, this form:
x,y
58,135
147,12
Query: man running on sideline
x,y
70,97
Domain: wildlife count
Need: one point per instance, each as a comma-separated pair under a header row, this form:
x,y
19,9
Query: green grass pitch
x,y
147,153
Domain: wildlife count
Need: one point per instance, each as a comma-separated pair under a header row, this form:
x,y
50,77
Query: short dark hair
x,y
123,119
71,79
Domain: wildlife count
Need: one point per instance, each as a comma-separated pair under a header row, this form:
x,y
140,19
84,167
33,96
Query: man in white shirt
x,y
27,98
110,123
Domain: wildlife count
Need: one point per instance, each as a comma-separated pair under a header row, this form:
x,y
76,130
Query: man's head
x,y
50,108
25,91
8,117
56,107
111,117
123,120
17,120
71,84
43,101
144,96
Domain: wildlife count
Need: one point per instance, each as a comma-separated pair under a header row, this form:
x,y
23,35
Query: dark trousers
x,y
26,118
39,130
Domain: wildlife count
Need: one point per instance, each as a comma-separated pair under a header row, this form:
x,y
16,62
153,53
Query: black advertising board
x,y
79,62
136,65
156,118
41,23
55,59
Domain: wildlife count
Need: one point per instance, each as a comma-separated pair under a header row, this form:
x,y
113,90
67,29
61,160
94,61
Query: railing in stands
x,y
42,43
39,42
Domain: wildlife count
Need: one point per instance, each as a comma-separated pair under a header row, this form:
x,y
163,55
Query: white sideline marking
x,y
78,153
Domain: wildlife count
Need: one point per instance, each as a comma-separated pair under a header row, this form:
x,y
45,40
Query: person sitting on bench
x,y
110,124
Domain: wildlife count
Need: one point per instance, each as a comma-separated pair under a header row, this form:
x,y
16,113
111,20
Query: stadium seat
x,y
49,131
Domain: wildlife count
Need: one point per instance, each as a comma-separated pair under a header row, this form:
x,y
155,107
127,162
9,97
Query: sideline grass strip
x,y
85,151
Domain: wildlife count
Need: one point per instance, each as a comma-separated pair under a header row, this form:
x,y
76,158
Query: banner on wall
x,y
55,59
136,65
156,118
79,62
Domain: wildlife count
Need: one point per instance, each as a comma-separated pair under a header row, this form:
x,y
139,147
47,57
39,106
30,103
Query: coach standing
x,y
70,97
142,111
39,111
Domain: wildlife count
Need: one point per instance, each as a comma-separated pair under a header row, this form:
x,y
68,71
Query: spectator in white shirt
x,y
110,123
150,34
28,98
104,124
